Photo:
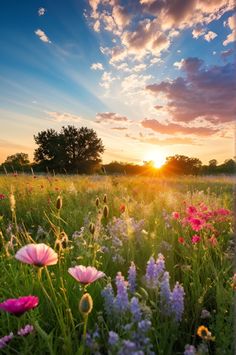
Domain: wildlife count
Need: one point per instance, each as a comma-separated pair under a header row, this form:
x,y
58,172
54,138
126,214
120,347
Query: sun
x,y
157,158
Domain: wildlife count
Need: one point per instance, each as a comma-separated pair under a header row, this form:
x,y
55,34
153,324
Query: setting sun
x,y
157,158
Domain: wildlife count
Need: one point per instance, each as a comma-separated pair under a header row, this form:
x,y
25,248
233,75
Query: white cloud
x,y
179,64
97,66
41,11
106,80
42,36
63,117
209,36
231,24
198,32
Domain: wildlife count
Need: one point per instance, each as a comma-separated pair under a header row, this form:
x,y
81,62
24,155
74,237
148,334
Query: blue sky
x,y
151,80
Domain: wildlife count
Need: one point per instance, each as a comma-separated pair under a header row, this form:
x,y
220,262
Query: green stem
x,y
81,349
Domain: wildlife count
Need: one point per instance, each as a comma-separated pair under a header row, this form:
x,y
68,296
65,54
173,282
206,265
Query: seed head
x,y
97,201
105,211
59,202
86,304
92,228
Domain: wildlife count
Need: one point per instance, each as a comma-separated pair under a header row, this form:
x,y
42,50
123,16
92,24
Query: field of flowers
x,y
116,265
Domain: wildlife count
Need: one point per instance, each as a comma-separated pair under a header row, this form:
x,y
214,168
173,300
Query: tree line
x,y
78,150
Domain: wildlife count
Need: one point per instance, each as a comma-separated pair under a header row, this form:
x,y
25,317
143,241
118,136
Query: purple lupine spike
x,y
160,264
151,273
190,350
108,296
135,309
165,293
121,300
178,301
113,338
132,277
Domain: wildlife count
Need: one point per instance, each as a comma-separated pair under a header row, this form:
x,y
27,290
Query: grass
x,y
204,269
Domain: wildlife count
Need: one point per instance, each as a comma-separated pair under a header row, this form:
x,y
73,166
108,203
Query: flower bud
x,y
105,211
105,198
86,304
59,202
97,202
92,228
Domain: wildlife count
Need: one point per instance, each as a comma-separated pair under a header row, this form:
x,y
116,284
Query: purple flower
x,y
121,301
113,338
189,350
128,347
25,330
5,340
165,293
178,301
135,309
132,277
144,325
154,270
108,295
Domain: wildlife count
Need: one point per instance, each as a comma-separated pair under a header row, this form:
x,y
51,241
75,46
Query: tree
x,y
180,164
72,149
17,161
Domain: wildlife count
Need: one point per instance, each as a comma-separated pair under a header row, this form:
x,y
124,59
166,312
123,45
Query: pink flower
x,y
85,275
37,254
213,240
175,215
191,210
196,224
196,239
222,212
2,197
18,306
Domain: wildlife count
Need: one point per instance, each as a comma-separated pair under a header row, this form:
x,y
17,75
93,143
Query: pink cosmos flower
x,y
175,215
37,254
18,306
85,275
196,239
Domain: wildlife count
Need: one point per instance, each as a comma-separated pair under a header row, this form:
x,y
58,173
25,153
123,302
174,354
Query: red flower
x,y
122,208
181,240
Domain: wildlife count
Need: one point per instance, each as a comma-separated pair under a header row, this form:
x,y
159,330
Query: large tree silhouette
x,y
72,149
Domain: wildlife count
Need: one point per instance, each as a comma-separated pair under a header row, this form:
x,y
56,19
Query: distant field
x,y
171,239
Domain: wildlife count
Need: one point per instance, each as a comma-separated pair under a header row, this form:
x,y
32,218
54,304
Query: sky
x,y
153,78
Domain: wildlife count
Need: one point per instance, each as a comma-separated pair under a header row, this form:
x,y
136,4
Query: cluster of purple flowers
x,y
21,332
157,277
123,228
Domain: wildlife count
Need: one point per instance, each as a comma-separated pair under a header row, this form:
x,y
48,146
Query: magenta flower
x,y
2,197
37,254
18,306
85,275
175,215
196,239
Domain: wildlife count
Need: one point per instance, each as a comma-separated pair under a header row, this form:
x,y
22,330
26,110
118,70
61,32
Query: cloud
x,y
198,32
41,11
134,82
209,36
106,80
173,128
97,66
162,142
42,36
225,54
203,92
231,24
110,117
119,128
64,117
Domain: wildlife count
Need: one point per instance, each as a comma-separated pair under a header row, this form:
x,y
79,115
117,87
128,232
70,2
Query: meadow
x,y
164,251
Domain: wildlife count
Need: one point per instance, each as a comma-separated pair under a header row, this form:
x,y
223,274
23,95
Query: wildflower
x,y
190,350
132,277
122,208
154,270
191,210
181,240
205,314
59,203
37,254
25,330
178,301
144,325
105,211
213,240
18,306
175,215
196,224
85,275
195,239
113,338
2,197
86,304
5,340
135,309
165,293
121,301
108,295
204,333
